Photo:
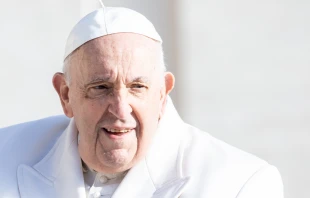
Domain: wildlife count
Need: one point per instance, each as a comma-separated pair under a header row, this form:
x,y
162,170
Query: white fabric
x,y
99,184
40,159
103,186
109,20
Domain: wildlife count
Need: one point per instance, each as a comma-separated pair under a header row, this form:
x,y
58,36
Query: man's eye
x,y
100,87
98,91
138,86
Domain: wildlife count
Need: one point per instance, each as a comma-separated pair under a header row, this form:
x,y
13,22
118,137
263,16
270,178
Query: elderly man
x,y
124,138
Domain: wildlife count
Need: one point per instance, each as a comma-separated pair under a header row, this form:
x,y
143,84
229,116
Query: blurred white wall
x,y
246,79
242,69
32,37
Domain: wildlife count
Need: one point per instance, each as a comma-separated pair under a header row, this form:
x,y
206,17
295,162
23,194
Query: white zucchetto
x,y
109,20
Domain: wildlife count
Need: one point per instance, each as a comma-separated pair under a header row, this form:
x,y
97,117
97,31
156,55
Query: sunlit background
x,y
242,69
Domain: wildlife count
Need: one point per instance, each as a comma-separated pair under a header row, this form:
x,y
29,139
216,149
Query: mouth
x,y
117,133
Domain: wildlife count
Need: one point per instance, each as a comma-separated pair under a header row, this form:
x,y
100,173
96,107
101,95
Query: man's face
x,y
116,96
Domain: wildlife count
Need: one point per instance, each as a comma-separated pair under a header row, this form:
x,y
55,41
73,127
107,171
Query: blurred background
x,y
242,69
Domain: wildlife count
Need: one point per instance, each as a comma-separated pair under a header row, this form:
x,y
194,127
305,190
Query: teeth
x,y
118,130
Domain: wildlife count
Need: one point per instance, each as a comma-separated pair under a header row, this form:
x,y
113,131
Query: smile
x,y
117,130
117,133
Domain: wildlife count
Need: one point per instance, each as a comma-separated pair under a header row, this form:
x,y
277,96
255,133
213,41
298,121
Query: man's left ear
x,y
167,88
169,82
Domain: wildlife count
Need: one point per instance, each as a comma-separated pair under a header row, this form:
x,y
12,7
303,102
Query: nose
x,y
120,107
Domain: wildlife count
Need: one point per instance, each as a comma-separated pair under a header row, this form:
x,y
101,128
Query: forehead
x,y
123,52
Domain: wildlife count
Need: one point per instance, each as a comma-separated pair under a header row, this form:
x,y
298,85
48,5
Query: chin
x,y
113,163
117,168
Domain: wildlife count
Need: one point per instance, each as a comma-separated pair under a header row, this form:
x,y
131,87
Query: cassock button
x,y
97,194
103,179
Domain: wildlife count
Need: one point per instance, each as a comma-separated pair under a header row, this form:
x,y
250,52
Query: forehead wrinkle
x,y
128,56
97,62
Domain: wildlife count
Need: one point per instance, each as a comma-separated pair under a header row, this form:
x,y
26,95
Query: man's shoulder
x,y
209,160
216,149
58,121
31,138
26,143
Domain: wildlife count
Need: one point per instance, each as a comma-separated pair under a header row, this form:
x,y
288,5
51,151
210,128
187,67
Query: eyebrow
x,y
97,80
142,79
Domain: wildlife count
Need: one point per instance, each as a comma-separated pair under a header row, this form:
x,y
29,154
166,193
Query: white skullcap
x,y
109,20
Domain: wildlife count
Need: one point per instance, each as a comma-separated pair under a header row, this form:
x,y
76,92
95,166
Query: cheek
x,y
86,107
148,115
145,137
87,114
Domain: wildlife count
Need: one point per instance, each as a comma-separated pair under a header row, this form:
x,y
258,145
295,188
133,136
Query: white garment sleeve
x,y
265,183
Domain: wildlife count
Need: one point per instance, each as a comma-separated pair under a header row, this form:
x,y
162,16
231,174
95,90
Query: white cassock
x,y
40,159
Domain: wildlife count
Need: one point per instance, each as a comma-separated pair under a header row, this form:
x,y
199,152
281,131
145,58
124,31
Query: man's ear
x,y
169,84
61,87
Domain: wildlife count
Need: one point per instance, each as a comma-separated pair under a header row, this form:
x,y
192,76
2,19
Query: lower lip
x,y
116,135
